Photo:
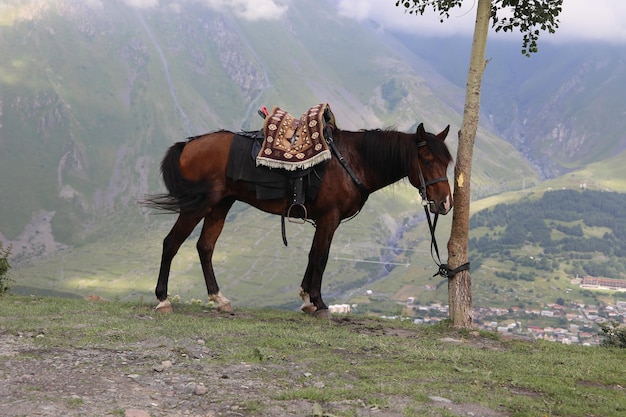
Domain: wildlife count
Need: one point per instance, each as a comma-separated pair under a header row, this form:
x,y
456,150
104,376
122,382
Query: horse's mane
x,y
392,152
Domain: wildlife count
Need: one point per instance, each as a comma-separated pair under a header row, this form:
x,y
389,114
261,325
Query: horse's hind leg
x,y
180,231
211,229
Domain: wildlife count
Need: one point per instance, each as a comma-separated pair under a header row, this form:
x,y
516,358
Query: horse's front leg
x,y
211,229
311,288
180,231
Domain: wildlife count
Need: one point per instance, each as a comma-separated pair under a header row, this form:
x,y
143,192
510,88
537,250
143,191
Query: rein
x,y
444,269
328,135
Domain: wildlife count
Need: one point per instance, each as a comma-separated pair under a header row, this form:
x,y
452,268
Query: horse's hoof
x,y
223,303
225,308
308,308
164,307
323,314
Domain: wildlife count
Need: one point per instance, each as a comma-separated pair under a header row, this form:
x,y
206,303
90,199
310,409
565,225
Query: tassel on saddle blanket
x,y
291,143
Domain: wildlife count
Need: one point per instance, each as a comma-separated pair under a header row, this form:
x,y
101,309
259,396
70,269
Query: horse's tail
x,y
183,194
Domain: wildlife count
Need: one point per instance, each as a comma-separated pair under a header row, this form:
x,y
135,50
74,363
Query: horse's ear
x,y
421,132
444,133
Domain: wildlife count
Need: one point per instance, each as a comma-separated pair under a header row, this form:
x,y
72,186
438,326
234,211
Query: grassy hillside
x,y
115,357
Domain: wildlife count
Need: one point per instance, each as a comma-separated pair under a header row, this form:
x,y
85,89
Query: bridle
x,y
444,269
423,183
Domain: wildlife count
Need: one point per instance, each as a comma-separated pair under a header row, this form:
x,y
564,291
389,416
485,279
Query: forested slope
x,y
580,233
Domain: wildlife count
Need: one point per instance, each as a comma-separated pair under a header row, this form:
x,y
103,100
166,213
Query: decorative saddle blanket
x,y
291,143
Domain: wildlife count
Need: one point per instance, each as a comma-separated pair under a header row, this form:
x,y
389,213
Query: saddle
x,y
293,144
285,159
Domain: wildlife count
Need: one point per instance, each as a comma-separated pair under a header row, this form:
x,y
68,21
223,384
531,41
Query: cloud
x,y
600,20
247,9
94,3
356,9
142,4
254,9
393,18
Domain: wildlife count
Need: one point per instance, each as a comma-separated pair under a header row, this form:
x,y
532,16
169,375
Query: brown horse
x,y
194,173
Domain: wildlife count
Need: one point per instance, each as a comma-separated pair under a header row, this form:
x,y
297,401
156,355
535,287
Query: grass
x,y
348,359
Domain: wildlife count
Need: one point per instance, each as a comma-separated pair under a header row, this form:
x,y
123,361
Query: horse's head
x,y
429,171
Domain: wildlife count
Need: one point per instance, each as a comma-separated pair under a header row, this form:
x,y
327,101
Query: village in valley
x,y
574,323
562,322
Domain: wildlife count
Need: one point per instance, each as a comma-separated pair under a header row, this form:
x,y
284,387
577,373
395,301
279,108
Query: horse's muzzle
x,y
442,207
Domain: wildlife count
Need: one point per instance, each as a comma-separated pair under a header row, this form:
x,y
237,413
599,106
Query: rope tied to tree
x,y
446,272
444,269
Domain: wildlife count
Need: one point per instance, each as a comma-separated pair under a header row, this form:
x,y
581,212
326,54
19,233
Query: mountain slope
x,y
562,107
92,95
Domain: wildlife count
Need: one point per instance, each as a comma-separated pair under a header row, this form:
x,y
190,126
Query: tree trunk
x,y
460,286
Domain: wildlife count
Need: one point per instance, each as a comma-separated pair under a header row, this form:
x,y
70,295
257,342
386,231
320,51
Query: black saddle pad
x,y
268,183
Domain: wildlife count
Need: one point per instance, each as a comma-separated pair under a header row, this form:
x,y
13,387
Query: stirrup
x,y
296,219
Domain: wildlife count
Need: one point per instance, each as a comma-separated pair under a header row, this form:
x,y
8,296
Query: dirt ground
x,y
161,377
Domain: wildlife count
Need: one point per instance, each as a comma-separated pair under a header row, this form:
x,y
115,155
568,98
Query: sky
x,y
597,20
